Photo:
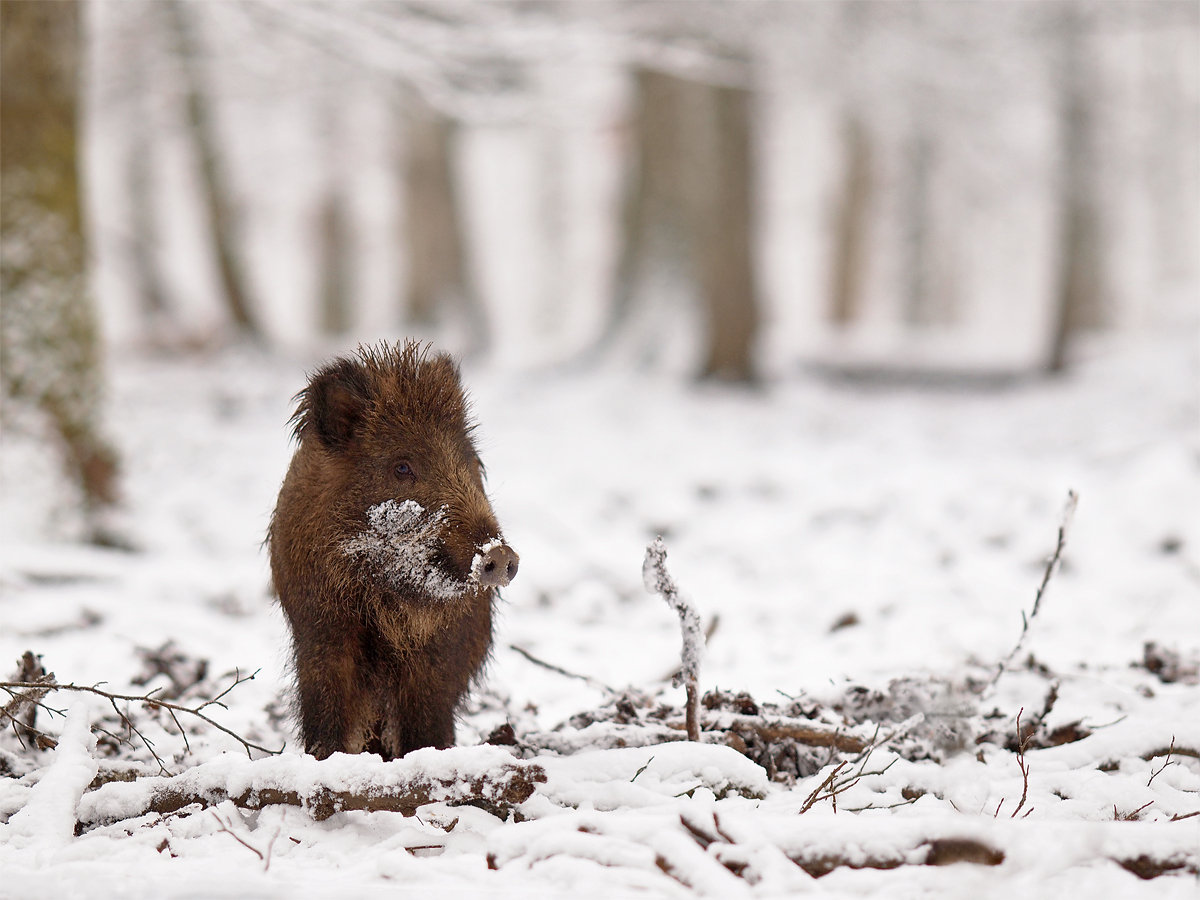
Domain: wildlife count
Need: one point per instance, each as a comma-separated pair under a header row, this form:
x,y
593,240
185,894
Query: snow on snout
x,y
403,542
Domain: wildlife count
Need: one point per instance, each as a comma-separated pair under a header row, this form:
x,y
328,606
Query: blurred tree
x,y
690,202
144,223
850,225
50,348
334,243
213,178
438,273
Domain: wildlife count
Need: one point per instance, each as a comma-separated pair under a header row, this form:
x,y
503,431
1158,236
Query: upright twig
x,y
1166,762
833,785
659,581
1023,742
1051,567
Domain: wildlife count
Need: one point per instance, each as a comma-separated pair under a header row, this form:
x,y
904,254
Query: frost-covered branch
x,y
1051,567
659,581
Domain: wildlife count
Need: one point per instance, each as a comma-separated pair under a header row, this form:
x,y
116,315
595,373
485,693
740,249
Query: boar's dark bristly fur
x,y
385,553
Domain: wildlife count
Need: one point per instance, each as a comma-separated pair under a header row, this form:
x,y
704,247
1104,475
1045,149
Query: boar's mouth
x,y
404,546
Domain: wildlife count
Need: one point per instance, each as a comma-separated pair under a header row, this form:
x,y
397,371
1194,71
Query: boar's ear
x,y
334,404
444,367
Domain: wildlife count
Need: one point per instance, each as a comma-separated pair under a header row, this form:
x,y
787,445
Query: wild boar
x,y
385,553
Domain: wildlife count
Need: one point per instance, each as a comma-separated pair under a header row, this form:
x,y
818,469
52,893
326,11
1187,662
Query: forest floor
x,y
861,554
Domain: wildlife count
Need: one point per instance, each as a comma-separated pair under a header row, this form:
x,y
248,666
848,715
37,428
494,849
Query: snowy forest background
x,y
840,298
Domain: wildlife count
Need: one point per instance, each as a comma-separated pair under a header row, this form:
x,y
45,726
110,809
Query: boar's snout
x,y
499,566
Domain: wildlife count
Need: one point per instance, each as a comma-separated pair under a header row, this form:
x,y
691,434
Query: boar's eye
x,y
404,472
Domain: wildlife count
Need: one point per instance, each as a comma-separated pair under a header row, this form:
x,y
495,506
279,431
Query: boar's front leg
x,y
414,719
331,717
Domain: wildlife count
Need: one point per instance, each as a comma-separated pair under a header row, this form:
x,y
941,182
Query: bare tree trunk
x,y
653,217
850,230
438,273
143,239
335,264
50,347
1081,281
212,175
689,205
724,240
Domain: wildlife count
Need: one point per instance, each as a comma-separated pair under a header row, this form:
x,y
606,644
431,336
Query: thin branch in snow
x,y
659,581
832,786
1022,743
553,668
1166,762
1131,816
641,770
270,846
229,831
14,687
1051,567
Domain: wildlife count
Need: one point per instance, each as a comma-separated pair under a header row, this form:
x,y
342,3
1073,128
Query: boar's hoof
x,y
499,566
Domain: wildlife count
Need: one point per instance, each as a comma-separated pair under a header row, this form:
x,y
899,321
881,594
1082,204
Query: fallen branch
x,y
322,788
1147,867
1051,567
940,852
659,581
772,730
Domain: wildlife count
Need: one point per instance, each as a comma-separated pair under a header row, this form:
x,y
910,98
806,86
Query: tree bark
x,y
689,207
724,246
49,349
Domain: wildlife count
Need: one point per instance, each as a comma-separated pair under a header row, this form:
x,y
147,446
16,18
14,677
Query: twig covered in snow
x,y
659,581
1051,567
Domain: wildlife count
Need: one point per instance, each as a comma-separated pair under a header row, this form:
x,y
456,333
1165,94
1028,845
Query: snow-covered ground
x,y
922,515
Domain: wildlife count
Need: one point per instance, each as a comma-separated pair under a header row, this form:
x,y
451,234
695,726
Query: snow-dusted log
x,y
659,581
486,777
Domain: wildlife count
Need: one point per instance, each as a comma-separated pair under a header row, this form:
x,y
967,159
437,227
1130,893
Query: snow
x,y
402,543
928,514
47,819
